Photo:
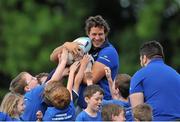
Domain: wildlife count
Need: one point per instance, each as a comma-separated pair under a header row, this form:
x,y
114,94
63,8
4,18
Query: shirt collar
x,y
156,60
105,44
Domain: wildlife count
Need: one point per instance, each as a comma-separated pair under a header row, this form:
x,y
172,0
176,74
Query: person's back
x,y
157,82
162,83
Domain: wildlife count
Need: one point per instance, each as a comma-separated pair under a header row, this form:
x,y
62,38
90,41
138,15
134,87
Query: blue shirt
x,y
33,102
125,105
83,116
4,117
55,114
160,85
108,56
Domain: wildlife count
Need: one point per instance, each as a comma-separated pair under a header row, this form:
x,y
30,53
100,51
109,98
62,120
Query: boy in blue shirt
x,y
34,99
61,97
119,89
93,96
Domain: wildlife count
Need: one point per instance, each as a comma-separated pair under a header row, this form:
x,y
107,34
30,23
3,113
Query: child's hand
x,y
64,55
107,72
74,66
66,72
89,77
39,115
86,59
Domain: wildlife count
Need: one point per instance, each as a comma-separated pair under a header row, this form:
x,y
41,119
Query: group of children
x,y
52,100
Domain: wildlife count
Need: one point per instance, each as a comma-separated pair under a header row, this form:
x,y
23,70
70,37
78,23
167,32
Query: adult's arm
x,y
136,99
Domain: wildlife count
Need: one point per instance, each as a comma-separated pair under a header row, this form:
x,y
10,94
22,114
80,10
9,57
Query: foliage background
x,y
31,29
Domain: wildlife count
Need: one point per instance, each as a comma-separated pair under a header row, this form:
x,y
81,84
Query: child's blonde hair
x,y
10,103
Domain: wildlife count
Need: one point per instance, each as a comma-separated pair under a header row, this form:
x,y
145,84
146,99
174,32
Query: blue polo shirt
x,y
4,117
55,114
33,102
160,85
83,116
108,56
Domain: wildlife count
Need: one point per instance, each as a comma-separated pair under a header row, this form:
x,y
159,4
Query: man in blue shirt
x,y
156,84
102,51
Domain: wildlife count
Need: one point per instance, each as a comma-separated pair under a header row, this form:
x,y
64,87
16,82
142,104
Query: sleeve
x,y
28,109
47,116
136,84
4,117
79,117
108,56
105,102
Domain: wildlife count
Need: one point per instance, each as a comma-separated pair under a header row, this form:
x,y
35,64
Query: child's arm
x,y
58,74
54,54
89,77
73,69
80,74
71,46
109,78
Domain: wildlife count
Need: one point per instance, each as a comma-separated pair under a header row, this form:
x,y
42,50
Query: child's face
x,y
20,106
31,81
95,101
120,117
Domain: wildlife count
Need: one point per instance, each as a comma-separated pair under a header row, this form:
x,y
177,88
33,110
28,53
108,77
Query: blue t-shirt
x,y
108,56
125,105
33,102
160,85
83,116
4,117
55,114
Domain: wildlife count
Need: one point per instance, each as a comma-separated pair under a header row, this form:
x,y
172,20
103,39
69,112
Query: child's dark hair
x,y
57,94
122,82
92,89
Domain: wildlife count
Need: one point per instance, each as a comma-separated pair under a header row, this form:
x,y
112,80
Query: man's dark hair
x,y
96,21
152,49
